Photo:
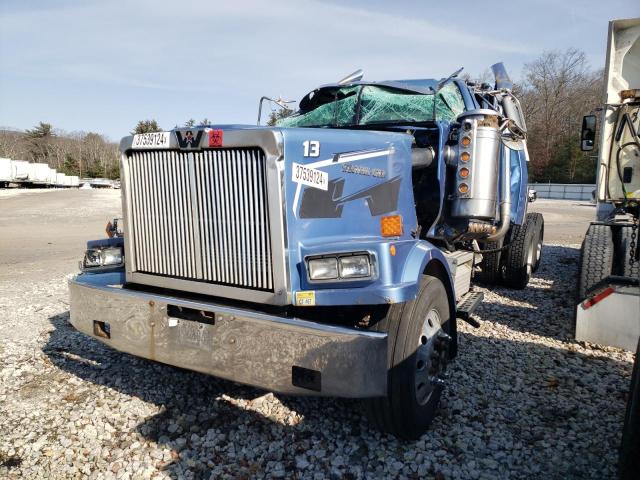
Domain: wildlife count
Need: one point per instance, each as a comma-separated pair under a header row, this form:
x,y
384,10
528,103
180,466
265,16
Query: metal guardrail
x,y
564,191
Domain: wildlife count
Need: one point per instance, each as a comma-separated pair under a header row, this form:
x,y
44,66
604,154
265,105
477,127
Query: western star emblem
x,y
188,140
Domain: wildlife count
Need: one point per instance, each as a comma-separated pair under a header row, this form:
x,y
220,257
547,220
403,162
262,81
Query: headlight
x,y
103,257
340,267
356,266
323,268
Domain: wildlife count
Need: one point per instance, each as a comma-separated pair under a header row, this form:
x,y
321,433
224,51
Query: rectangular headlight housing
x,y
103,257
323,268
355,266
344,266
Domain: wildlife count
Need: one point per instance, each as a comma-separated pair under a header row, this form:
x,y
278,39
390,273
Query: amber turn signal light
x,y
391,226
466,141
465,157
464,172
633,93
463,188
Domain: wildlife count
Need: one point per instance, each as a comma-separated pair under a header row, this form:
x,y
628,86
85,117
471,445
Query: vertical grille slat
x,y
201,216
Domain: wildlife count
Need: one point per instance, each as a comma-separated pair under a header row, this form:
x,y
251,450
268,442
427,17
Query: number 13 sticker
x,y
311,148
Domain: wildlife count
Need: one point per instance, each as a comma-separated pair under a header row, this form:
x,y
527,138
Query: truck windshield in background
x,y
373,104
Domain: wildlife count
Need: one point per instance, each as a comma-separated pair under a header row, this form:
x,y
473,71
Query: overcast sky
x,y
98,65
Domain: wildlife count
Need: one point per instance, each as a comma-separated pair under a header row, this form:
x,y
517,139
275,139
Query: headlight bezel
x,y
102,258
338,258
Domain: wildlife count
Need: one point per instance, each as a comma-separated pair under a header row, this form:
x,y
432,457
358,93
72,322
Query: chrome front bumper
x,y
285,355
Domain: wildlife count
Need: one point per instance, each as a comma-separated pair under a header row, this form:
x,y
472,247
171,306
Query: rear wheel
x,y
418,352
521,255
539,239
626,268
490,264
596,258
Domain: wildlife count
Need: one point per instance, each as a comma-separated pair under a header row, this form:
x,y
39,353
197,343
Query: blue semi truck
x,y
329,254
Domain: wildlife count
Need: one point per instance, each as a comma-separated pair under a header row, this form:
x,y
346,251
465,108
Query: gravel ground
x,y
524,401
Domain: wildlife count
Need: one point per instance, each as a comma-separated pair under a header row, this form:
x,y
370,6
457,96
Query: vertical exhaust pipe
x,y
501,76
510,104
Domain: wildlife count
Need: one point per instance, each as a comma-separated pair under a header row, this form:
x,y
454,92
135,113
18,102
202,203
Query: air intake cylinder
x,y
477,175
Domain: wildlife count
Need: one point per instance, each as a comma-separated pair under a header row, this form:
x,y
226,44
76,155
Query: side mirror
x,y
588,135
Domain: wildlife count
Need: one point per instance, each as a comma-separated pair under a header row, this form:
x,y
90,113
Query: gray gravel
x,y
524,401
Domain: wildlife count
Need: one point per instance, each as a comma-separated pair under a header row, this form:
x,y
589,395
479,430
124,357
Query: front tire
x,y
418,352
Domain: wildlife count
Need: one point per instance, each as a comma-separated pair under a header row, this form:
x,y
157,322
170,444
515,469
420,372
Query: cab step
x,y
467,305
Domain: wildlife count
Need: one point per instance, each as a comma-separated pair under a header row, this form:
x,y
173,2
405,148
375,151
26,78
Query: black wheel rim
x,y
430,357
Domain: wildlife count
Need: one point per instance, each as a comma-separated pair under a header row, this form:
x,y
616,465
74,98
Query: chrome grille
x,y
201,216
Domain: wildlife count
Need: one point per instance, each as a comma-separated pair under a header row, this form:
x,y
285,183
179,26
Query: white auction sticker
x,y
151,140
310,177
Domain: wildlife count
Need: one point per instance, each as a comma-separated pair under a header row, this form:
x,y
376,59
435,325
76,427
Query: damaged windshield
x,y
373,104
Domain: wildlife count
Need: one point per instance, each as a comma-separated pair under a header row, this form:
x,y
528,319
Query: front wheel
x,y
418,352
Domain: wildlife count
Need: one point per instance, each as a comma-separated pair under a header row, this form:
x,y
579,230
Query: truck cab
x,y
329,254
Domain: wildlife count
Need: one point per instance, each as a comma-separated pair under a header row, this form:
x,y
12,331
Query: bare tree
x,y
558,88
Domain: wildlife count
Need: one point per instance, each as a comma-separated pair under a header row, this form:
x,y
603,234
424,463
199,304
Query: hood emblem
x,y
188,140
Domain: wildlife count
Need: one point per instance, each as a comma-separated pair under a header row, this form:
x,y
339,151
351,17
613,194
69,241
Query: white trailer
x,y
75,181
60,180
51,181
5,171
39,174
20,170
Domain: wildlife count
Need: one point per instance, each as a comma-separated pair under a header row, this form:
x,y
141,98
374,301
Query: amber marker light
x,y
466,141
391,226
465,157
464,172
392,250
463,188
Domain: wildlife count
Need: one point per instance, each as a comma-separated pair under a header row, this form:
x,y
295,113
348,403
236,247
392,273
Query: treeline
x,y
556,90
76,153
86,154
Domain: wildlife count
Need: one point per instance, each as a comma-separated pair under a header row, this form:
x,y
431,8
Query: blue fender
x,y
419,257
422,258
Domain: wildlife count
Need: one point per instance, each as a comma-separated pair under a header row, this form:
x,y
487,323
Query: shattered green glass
x,y
379,104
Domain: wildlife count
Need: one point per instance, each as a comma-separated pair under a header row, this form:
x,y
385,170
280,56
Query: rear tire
x,y
490,264
521,254
539,240
596,258
418,351
625,247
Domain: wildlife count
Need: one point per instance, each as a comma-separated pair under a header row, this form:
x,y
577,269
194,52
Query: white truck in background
x,y
608,311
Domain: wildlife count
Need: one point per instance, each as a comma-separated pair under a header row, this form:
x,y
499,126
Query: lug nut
x,y
444,336
437,382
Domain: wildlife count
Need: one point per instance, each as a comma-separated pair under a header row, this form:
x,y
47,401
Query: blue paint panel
x,y
519,185
356,228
